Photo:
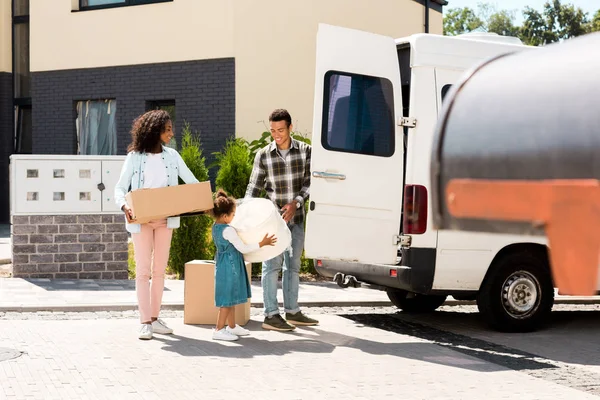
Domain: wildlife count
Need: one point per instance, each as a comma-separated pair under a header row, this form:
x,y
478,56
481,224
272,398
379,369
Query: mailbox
x,y
517,150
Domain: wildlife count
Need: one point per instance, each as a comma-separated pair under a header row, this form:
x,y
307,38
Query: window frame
x,y
125,3
325,115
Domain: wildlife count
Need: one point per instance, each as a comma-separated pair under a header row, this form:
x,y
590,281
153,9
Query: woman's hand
x,y
128,213
268,240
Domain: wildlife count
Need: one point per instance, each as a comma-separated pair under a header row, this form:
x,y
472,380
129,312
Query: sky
x,y
589,6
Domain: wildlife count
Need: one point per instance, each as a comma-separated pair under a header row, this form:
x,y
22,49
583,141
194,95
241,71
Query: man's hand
x,y
288,211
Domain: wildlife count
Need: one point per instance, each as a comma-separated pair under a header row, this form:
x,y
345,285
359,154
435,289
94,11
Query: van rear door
x,y
357,154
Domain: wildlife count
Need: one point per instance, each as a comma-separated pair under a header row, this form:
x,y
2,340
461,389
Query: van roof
x,y
458,52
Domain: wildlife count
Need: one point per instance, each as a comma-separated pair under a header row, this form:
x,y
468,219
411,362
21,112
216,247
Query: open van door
x,y
357,149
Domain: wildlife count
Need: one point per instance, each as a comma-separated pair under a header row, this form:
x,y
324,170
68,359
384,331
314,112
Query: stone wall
x,y
70,246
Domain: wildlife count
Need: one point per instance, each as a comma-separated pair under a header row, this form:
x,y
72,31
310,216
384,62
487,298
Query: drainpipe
x,y
426,16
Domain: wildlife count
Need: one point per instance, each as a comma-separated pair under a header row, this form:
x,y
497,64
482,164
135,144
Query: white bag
x,y
255,217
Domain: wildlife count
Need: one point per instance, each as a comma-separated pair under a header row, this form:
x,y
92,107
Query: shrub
x,y
234,168
192,241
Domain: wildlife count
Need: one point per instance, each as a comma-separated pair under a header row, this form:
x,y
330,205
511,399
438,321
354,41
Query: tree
x,y
502,23
594,24
461,20
557,22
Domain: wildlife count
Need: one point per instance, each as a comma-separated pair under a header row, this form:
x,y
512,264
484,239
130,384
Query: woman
x,y
149,164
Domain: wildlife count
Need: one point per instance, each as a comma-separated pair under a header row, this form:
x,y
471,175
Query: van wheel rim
x,y
520,295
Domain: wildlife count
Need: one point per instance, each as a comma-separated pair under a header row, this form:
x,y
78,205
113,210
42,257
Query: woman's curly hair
x,y
146,130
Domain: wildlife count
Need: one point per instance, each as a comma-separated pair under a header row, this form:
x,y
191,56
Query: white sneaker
x,y
238,330
224,334
145,332
161,328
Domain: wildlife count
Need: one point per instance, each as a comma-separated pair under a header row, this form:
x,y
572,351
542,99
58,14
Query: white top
x,y
155,172
231,235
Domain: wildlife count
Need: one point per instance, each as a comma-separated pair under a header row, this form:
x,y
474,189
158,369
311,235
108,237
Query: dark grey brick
x,y
48,229
89,219
20,239
115,228
71,248
94,267
23,229
65,219
90,275
47,267
107,237
90,237
121,246
19,269
23,248
21,258
20,219
108,275
90,256
47,248
41,219
94,247
121,256
41,239
121,237
41,276
65,257
67,275
70,228
116,266
107,219
107,256
68,238
71,267
41,258
121,275
95,228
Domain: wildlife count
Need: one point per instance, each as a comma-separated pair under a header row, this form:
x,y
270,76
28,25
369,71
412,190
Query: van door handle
x,y
328,175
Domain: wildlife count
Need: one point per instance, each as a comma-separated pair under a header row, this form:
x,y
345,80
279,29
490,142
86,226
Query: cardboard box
x,y
199,295
171,201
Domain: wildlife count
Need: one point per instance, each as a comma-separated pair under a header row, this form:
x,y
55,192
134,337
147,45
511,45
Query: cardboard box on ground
x,y
171,201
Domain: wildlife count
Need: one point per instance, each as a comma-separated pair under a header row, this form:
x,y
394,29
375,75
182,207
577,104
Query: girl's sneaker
x,y
161,328
238,330
224,334
145,332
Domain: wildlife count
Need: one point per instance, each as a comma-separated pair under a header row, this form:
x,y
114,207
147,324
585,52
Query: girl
x,y
149,164
231,279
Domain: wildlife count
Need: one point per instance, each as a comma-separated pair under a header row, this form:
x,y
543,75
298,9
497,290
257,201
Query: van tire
x,y
418,303
518,294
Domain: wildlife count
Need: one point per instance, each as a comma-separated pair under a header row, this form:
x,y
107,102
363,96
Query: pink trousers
x,y
151,247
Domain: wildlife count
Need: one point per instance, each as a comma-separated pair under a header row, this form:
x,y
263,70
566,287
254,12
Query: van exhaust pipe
x,y
345,281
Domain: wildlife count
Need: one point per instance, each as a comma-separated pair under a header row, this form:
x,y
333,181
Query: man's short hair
x,y
281,115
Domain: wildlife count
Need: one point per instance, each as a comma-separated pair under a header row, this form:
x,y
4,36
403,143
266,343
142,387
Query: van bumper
x,y
414,273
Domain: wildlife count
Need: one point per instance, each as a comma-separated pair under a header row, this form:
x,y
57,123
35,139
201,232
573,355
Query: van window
x,y
358,114
445,90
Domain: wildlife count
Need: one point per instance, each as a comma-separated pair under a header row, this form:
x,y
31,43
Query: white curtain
x,y
96,127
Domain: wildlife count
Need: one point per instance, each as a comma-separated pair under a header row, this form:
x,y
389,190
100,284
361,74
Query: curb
x,y
179,306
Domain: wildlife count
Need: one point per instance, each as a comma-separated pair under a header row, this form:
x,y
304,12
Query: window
x,y
96,126
358,114
100,4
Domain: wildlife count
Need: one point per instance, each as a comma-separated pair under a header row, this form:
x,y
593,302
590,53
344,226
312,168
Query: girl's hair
x,y
146,130
223,204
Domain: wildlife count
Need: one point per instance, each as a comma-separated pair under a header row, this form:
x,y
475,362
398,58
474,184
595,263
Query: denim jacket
x,y
132,178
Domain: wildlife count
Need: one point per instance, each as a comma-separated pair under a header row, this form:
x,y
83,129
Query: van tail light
x,y
415,209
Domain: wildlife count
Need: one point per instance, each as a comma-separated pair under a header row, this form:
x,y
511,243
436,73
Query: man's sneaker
x,y
161,328
145,332
224,334
238,330
277,323
300,319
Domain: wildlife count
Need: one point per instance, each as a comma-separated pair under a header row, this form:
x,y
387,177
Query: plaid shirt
x,y
284,180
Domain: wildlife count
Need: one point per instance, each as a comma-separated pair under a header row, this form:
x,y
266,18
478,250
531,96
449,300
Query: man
x,y
282,170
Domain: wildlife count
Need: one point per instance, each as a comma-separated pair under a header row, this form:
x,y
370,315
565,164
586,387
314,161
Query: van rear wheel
x,y
414,303
518,294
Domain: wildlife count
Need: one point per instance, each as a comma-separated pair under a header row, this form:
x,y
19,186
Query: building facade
x,y
75,73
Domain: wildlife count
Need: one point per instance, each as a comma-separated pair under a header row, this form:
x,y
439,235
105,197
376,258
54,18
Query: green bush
x,y
234,168
192,241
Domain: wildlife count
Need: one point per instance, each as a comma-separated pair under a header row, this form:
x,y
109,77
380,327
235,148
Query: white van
x,y
376,104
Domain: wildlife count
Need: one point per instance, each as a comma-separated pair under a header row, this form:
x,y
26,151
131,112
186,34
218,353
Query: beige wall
x,y
280,72
5,36
273,42
175,31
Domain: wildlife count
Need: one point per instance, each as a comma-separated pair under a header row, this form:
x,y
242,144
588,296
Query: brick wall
x,y
203,90
69,246
6,140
